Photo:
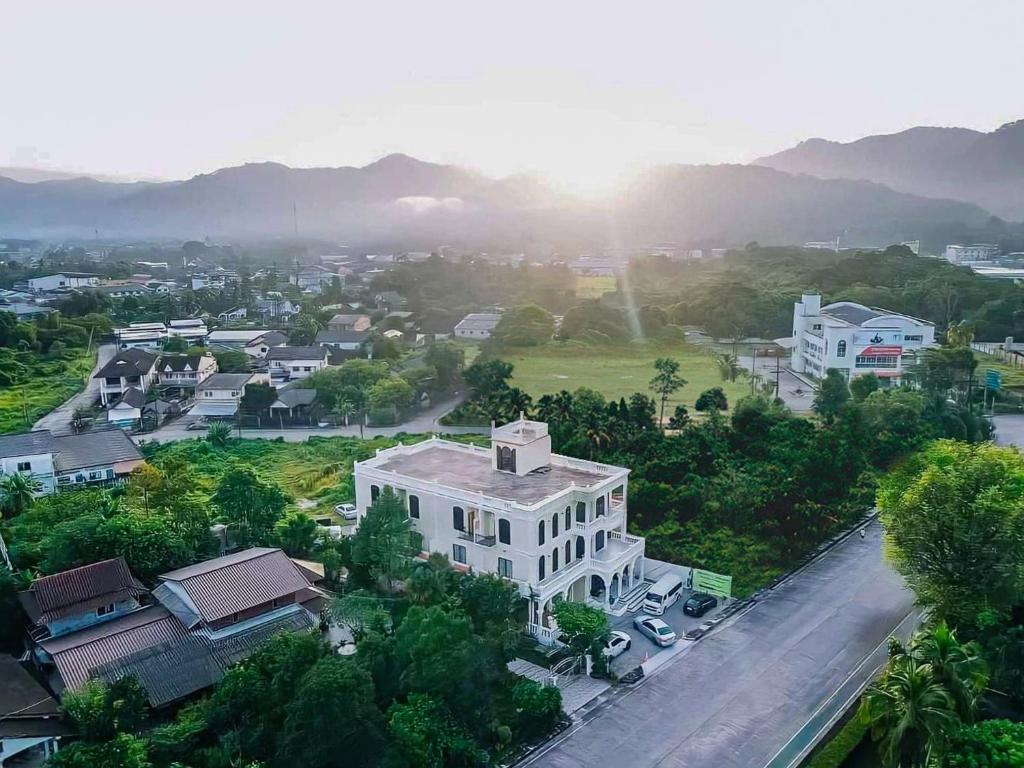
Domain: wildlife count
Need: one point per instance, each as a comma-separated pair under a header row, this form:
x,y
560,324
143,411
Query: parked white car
x,y
617,642
655,629
347,511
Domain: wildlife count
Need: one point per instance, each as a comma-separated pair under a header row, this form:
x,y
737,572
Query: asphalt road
x,y
737,697
59,419
1009,430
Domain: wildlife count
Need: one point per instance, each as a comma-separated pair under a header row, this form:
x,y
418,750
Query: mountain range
x,y
399,201
982,168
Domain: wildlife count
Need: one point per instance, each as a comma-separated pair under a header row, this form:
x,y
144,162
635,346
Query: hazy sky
x,y
577,91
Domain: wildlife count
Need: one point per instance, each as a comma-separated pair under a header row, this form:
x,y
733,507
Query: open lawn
x,y
52,382
1013,377
616,371
594,287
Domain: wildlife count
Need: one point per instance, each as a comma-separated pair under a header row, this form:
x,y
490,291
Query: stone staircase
x,y
631,601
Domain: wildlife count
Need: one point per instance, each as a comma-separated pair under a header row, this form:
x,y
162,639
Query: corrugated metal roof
x,y
233,583
127,362
78,654
93,449
296,353
69,592
26,444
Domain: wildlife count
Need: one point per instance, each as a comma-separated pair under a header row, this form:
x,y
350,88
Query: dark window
x,y
581,512
458,519
504,532
599,541
505,567
540,568
374,493
458,553
581,547
506,458
554,526
24,466
414,506
599,509
568,552
554,559
568,518
540,532
841,349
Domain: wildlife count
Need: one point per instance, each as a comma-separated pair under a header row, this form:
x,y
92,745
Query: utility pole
x,y
778,393
295,217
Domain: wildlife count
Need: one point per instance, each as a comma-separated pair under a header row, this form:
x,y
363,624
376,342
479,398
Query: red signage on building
x,y
881,351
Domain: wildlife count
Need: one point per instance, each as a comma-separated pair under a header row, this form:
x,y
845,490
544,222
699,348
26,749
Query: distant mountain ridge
x,y
400,200
958,163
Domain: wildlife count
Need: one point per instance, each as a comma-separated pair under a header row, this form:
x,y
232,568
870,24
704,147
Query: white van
x,y
662,595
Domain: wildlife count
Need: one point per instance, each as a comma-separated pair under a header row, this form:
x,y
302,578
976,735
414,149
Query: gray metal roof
x,y
234,583
127,362
132,396
478,321
855,314
331,336
296,353
93,449
26,444
226,381
289,398
473,472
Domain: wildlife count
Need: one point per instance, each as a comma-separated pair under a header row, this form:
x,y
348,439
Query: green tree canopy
x,y
250,506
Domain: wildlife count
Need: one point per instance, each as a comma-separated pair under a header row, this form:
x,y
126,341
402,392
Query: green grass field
x,y
52,383
1013,377
594,287
616,371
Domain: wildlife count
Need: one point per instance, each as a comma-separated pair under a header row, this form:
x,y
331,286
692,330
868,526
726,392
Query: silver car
x,y
347,511
655,629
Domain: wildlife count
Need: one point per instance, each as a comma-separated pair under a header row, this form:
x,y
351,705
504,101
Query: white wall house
x,y
296,362
67,461
129,368
185,371
221,393
855,339
478,325
62,280
554,525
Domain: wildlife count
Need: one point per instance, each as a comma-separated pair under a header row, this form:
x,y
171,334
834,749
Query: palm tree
x,y
729,367
957,666
18,491
910,713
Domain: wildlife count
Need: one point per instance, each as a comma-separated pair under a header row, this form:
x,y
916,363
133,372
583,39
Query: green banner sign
x,y
712,583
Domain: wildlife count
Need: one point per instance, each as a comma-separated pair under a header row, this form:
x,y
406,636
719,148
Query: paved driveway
x,y
733,699
1009,430
59,419
796,394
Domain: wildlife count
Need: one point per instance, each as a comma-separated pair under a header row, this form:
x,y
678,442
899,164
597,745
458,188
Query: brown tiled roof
x,y
233,583
77,654
81,589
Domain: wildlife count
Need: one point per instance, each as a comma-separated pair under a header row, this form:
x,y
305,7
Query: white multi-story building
x,y
554,525
63,280
962,254
855,339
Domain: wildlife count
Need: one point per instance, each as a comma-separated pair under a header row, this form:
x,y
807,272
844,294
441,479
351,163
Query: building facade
x,y
962,254
553,525
477,325
855,339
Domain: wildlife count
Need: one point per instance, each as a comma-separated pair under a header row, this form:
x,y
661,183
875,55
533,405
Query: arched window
x,y
540,569
841,349
581,547
568,552
599,541
581,512
504,532
414,506
554,559
599,507
540,532
458,519
506,458
568,518
554,525
374,492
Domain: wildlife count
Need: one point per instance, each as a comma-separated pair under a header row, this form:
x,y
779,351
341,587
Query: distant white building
x,y
478,325
552,525
855,339
63,280
593,266
961,254
255,343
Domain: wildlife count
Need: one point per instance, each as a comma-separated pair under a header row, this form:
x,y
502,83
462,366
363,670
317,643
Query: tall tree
x,y
250,506
383,543
833,393
665,383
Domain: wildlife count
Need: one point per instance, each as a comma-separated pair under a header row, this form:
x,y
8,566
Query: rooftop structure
x,y
477,325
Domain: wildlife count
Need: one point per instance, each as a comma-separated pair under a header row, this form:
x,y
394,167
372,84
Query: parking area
x,y
642,648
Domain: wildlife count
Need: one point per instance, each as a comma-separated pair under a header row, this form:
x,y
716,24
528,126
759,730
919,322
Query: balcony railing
x,y
483,541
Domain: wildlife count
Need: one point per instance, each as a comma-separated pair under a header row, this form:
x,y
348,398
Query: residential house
x,y
855,339
553,525
220,394
31,725
274,305
184,371
141,336
294,404
63,461
233,315
312,278
296,362
26,311
126,412
390,300
203,618
63,280
193,330
349,322
127,368
255,343
348,341
477,325
30,453
122,290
